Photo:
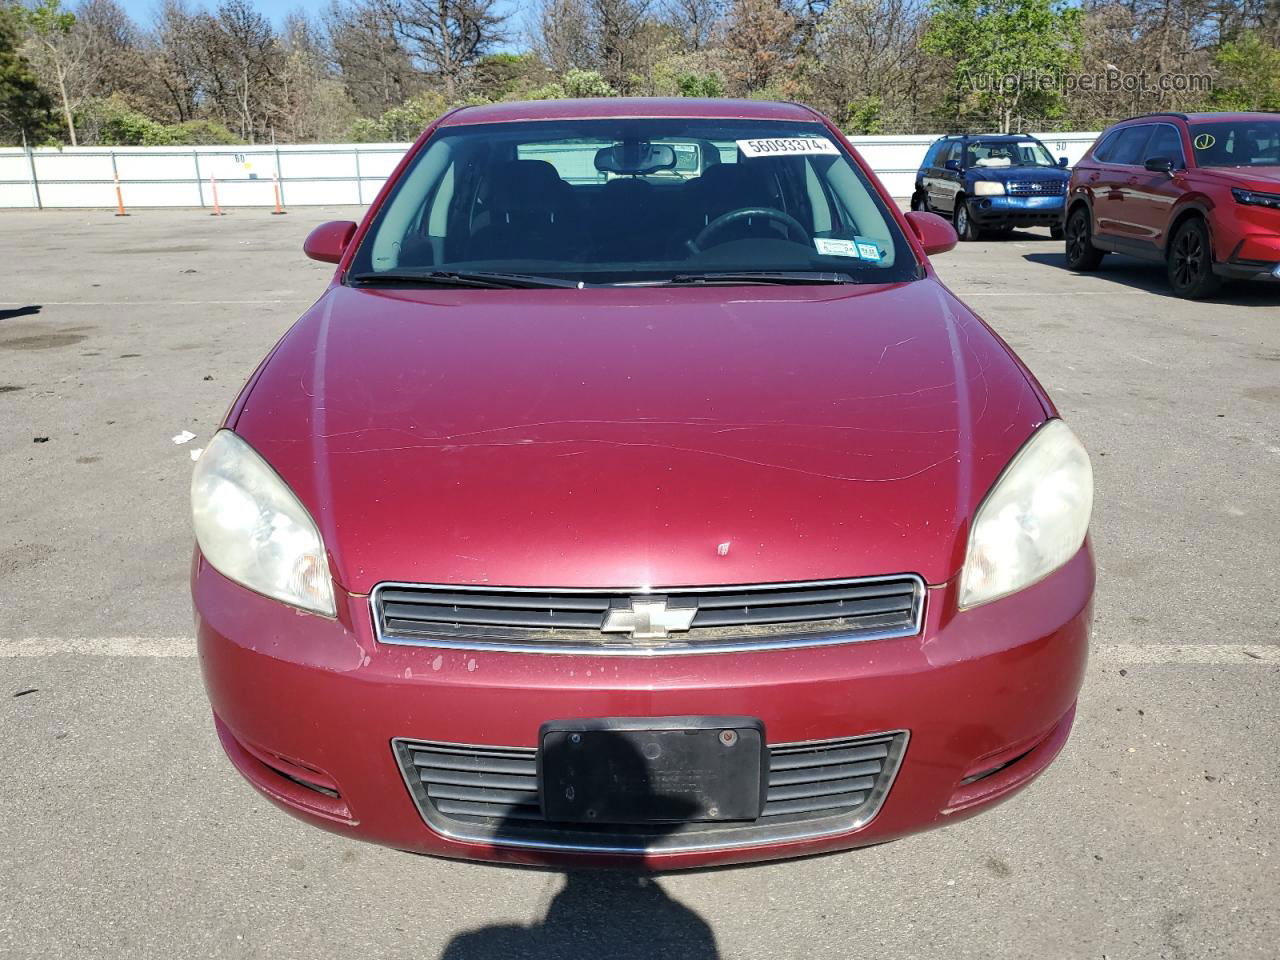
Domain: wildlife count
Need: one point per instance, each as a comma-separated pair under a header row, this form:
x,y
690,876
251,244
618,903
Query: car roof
x,y
629,107
988,136
1220,115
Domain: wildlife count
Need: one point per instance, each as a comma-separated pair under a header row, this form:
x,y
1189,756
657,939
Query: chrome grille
x,y
490,794
1036,188
578,621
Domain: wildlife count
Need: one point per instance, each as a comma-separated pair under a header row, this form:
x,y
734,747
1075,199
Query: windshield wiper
x,y
741,277
462,278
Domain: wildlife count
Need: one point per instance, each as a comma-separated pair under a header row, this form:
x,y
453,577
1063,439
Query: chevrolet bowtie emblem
x,y
649,618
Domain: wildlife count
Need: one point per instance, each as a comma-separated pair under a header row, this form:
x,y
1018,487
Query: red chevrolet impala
x,y
636,493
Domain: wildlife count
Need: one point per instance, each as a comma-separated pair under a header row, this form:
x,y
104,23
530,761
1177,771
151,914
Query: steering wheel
x,y
792,225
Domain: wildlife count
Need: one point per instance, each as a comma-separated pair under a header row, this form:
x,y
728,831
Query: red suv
x,y
1199,192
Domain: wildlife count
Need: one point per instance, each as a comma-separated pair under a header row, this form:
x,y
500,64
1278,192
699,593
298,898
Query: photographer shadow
x,y
601,914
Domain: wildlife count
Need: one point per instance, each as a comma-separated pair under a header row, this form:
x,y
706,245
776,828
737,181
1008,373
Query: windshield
x,y
1008,153
1237,143
634,201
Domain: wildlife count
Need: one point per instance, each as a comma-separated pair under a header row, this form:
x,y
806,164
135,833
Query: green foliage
x,y
1003,49
503,76
1248,75
111,122
586,83
47,18
401,123
24,107
864,116
700,85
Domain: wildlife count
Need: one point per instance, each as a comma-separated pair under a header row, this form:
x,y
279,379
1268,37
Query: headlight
x,y
1253,198
1033,520
988,188
253,530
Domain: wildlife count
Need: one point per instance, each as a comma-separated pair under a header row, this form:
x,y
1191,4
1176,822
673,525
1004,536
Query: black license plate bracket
x,y
638,770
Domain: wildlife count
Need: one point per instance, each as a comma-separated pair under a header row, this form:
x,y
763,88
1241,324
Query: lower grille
x,y
490,794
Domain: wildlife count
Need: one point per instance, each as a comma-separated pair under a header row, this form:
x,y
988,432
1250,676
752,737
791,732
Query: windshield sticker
x,y
859,248
788,146
868,249
1204,141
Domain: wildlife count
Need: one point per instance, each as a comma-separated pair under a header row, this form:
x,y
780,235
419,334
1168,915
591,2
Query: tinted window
x,y
1102,152
931,157
1237,143
1166,143
1130,145
634,201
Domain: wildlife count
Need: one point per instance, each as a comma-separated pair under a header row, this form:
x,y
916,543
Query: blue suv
x,y
992,183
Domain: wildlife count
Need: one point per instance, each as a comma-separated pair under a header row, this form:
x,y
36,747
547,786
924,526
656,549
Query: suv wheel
x,y
966,226
1191,262
1056,232
1082,255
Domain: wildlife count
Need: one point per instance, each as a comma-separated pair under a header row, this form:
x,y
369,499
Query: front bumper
x,y
1246,238
307,709
998,212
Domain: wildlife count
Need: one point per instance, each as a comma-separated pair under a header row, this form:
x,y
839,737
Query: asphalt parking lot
x,y
125,833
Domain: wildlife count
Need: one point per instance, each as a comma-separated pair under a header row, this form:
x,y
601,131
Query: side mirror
x,y
935,234
328,242
1159,165
1062,161
953,165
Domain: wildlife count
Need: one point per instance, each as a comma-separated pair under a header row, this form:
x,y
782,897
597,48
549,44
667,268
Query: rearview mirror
x,y
634,158
935,234
1062,161
953,165
1159,165
328,242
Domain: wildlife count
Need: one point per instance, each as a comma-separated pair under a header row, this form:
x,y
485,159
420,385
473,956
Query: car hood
x,y
640,437
1016,174
1251,178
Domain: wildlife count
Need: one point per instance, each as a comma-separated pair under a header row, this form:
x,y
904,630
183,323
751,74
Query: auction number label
x,y
788,146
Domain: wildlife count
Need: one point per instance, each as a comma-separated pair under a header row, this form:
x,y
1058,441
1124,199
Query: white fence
x,y
307,175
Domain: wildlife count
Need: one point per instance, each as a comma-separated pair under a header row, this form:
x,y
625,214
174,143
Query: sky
x,y
143,12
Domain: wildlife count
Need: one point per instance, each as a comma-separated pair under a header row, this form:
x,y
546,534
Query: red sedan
x,y
637,493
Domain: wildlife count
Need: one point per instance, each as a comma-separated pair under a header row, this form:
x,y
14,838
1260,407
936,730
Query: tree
x,y
24,108
65,54
1248,75
616,29
697,21
1002,48
563,35
876,77
761,41
175,58
238,59
372,63
446,36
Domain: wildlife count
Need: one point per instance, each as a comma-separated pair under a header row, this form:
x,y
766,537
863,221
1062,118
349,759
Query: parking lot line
x,y
1110,653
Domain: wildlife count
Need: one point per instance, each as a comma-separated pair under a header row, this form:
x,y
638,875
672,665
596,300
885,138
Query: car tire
x,y
966,227
1082,255
1190,262
1057,233
918,201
